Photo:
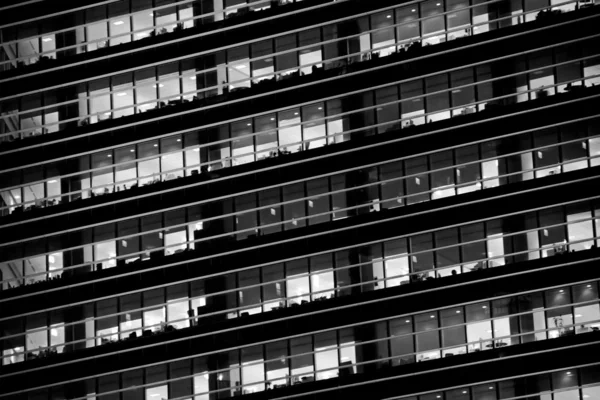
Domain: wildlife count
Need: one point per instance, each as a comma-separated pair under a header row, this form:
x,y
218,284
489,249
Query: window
x,y
131,317
408,27
458,18
157,393
449,256
479,327
106,322
322,277
243,142
172,160
453,338
387,113
442,181
402,341
314,126
433,22
238,68
310,58
154,318
382,39
302,365
126,171
559,319
587,316
253,370
396,262
422,256
428,340
580,231
417,180
277,367
290,132
264,67
249,298
326,356
297,282
178,306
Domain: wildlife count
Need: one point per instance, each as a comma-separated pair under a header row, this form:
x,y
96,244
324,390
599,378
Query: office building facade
x,y
276,199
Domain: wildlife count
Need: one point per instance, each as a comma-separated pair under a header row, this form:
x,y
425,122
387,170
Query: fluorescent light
x,y
249,124
17,196
483,306
561,291
272,119
458,311
52,181
109,155
107,113
197,149
589,286
47,39
320,108
578,315
413,10
159,85
438,4
407,321
132,150
464,391
295,113
388,16
491,388
241,66
122,94
155,145
118,23
54,332
193,78
432,316
179,140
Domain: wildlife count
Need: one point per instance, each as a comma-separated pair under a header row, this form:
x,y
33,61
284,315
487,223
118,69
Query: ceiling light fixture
x,y
118,23
47,39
